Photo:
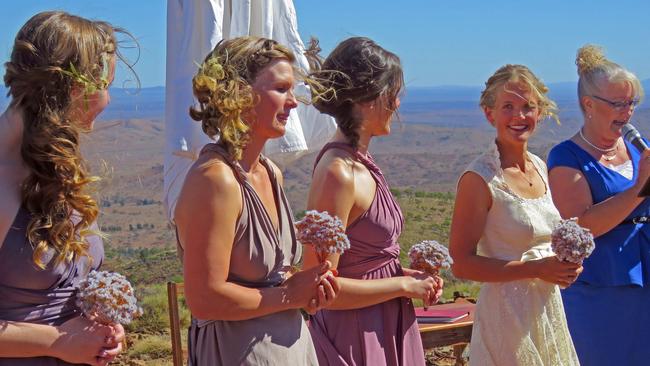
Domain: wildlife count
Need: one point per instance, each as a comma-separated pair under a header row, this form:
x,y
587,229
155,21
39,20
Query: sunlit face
x,y
378,115
274,87
85,108
515,113
604,119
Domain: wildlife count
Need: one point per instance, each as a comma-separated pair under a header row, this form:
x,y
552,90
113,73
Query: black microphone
x,y
632,135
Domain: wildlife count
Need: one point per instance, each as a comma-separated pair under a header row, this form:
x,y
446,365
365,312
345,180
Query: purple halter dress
x,y
29,294
381,334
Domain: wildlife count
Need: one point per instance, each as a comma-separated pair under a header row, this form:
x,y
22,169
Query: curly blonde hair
x,y
594,69
53,53
522,75
223,88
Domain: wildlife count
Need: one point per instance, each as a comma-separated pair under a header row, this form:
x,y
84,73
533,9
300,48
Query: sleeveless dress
x,y
260,258
29,294
381,334
607,307
518,322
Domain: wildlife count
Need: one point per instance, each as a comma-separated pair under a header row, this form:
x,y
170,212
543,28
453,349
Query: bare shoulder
x,y
336,169
208,182
9,201
473,189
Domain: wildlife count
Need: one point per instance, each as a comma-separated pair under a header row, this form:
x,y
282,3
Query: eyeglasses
x,y
619,106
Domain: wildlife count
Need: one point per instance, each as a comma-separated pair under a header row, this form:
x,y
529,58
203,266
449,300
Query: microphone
x,y
632,135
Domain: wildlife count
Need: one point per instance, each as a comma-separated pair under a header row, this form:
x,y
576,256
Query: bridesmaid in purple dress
x,y
58,77
234,224
372,321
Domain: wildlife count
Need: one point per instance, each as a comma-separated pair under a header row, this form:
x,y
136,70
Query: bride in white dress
x,y
501,233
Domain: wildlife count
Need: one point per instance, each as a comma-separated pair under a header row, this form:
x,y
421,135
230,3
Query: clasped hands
x,y
313,288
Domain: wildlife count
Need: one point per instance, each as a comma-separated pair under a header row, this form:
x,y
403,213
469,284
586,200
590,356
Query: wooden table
x,y
457,334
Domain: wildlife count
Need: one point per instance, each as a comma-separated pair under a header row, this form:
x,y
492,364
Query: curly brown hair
x,y
223,88
53,53
358,70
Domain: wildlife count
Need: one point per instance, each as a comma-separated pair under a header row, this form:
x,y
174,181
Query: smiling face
x,y
515,113
604,120
274,88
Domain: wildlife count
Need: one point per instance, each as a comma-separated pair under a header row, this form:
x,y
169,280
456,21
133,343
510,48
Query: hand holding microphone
x,y
632,135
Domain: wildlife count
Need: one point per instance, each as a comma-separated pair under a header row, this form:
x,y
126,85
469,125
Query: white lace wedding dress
x,y
519,322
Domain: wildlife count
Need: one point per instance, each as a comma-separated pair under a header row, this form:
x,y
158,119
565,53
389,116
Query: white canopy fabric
x,y
194,27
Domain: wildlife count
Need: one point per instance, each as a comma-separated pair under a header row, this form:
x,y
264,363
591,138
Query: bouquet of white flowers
x,y
324,232
571,242
108,298
429,256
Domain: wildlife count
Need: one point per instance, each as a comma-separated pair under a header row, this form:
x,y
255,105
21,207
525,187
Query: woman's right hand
x,y
84,341
302,286
553,270
424,288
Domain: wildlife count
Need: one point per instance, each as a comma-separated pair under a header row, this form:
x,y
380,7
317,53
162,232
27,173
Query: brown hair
x,y
223,88
358,70
53,53
522,75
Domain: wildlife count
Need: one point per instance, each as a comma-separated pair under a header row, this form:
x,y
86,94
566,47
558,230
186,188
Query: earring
x,y
589,116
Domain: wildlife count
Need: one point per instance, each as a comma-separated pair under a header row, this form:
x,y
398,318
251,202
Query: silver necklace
x,y
605,152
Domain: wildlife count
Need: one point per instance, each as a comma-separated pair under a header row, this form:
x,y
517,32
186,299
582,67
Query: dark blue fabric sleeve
x,y
563,155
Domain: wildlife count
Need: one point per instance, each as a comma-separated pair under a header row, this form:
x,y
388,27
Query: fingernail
x,y
103,354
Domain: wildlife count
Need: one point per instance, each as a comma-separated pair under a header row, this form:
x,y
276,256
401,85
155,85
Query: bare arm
x,y
78,340
206,215
333,190
473,201
572,197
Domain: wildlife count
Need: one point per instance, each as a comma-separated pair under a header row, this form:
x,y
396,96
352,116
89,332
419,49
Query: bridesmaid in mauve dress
x,y
372,321
234,224
58,77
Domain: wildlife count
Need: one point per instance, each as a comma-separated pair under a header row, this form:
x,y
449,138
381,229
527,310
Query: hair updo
x,y
594,69
358,70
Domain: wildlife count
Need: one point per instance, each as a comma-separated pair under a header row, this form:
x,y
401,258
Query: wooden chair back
x,y
174,290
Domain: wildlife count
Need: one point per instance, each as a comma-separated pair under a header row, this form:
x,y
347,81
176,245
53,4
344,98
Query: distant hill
x,y
125,103
438,105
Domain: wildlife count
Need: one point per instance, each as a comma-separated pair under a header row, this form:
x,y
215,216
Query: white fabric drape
x,y
194,27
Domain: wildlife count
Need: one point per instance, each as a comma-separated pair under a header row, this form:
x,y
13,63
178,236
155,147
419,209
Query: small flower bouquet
x,y
108,298
429,256
571,242
324,232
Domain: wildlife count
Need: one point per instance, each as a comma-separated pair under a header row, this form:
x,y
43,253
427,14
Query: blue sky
x,y
440,42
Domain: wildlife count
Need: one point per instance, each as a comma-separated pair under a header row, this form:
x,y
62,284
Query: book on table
x,y
433,315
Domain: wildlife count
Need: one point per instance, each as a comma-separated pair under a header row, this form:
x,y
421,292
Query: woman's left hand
x,y
433,297
114,344
326,294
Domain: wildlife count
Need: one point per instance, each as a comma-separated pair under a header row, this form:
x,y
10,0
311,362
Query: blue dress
x,y
608,307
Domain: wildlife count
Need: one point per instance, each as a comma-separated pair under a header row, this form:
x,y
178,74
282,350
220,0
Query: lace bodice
x,y
516,228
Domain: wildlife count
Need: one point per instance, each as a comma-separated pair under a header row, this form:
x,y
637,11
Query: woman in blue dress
x,y
596,176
